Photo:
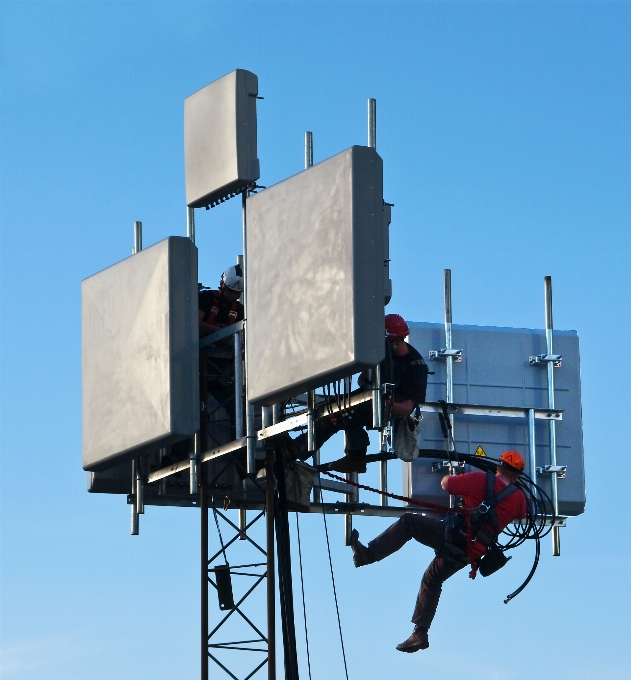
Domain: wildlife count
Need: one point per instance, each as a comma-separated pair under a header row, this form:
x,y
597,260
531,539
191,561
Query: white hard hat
x,y
233,278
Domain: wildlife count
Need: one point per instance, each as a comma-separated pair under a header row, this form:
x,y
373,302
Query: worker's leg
x,y
436,574
424,528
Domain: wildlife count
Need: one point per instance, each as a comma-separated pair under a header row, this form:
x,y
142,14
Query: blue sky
x,y
504,129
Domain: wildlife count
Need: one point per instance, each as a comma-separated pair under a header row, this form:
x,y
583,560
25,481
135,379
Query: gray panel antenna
x,y
140,356
315,271
220,139
495,371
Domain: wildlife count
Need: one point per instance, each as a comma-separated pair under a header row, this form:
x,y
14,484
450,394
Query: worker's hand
x,y
402,408
443,482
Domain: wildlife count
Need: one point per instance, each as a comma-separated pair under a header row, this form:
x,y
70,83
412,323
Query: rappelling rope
x,y
302,586
337,608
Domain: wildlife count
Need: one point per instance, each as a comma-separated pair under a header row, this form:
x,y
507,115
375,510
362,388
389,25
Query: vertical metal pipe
x,y
243,522
311,420
348,526
238,386
194,456
271,576
317,496
268,416
308,149
377,412
383,481
138,506
277,413
448,338
190,223
556,536
134,511
249,410
532,446
372,123
203,505
162,484
140,487
137,238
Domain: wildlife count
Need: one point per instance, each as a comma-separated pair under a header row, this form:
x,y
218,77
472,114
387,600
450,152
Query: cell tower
x,y
189,395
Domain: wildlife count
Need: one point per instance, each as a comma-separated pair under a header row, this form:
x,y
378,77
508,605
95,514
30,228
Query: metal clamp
x,y
447,465
441,354
544,359
559,470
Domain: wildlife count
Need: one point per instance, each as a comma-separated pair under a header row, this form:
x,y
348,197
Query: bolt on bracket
x,y
441,354
559,470
543,359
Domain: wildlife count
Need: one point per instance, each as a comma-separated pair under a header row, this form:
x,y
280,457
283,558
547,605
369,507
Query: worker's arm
x,y
206,328
402,408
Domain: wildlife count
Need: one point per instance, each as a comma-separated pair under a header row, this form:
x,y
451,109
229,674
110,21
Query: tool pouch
x,y
492,560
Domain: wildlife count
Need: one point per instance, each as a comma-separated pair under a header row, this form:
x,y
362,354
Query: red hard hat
x,y
396,326
513,459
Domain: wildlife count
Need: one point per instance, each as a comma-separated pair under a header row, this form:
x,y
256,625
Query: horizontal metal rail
x,y
496,411
217,452
220,335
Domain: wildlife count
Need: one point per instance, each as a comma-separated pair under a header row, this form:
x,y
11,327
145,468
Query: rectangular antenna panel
x,y
220,139
140,354
315,276
495,371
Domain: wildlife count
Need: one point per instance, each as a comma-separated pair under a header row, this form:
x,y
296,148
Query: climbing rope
x,y
337,608
302,586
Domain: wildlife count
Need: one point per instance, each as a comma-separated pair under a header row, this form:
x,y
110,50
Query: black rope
x,y
337,608
304,606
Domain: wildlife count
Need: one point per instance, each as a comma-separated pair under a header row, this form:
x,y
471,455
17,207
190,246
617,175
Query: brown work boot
x,y
418,640
353,461
361,554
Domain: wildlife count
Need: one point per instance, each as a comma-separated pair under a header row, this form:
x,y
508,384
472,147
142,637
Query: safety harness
x,y
209,317
480,525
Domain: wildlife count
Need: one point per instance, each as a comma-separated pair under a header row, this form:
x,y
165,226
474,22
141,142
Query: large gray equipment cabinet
x,y
140,354
495,371
315,272
220,139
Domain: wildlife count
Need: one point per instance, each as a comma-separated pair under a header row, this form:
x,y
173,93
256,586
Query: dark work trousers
x,y
352,422
430,531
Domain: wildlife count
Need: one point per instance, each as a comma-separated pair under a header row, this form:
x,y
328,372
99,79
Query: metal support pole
x,y
249,410
162,484
271,576
134,510
372,123
317,496
308,149
267,415
137,238
556,536
311,421
203,505
140,487
238,386
383,481
277,413
377,412
194,456
190,223
243,522
348,522
449,366
532,445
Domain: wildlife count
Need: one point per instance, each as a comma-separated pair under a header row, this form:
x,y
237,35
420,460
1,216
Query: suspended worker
x,y
404,370
491,502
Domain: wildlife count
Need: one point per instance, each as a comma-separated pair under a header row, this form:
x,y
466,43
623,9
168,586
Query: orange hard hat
x,y
396,326
513,459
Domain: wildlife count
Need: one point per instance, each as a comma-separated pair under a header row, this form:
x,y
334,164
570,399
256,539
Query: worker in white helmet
x,y
220,308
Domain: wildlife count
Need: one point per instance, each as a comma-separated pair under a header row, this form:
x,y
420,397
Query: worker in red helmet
x,y
491,502
404,369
